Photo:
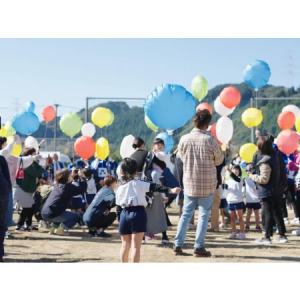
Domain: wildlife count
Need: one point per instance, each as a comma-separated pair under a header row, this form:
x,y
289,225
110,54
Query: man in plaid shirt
x,y
200,154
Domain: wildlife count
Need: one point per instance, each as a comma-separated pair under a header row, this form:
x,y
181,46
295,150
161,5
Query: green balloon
x,y
9,129
199,87
112,118
150,124
70,124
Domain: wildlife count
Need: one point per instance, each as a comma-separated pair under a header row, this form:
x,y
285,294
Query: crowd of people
x,y
142,187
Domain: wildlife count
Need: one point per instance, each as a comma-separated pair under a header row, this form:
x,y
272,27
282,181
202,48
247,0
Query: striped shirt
x,y
200,154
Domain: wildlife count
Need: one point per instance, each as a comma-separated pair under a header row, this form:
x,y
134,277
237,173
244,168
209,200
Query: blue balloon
x,y
30,107
170,106
168,140
257,74
25,122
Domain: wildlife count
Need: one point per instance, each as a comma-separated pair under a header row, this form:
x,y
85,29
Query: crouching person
x,y
98,216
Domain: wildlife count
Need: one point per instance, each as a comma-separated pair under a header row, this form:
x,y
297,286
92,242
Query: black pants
x,y
26,215
290,194
3,211
272,210
296,205
284,209
105,221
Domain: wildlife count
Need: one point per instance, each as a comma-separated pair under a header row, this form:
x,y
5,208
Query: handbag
x,y
20,173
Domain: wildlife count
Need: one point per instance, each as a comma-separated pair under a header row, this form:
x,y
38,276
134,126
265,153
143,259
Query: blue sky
x,y
66,71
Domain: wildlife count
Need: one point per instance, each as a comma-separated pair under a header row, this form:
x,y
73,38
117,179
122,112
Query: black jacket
x,y
5,183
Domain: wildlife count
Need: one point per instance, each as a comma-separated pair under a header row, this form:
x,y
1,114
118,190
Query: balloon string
x,y
46,130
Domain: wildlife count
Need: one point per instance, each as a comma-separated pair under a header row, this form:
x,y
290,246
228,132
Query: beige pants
x,y
214,218
180,211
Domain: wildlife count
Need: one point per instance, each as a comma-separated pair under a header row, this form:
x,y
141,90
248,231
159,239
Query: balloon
x,y
101,116
244,173
257,74
150,124
213,132
224,130
199,87
9,129
252,117
85,147
70,124
88,129
292,108
247,151
168,140
102,148
287,141
221,109
48,113
126,146
3,131
17,149
170,106
286,120
30,107
31,142
25,122
230,97
203,106
112,118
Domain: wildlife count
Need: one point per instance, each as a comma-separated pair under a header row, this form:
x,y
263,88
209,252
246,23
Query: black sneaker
x,y
92,232
103,235
1,260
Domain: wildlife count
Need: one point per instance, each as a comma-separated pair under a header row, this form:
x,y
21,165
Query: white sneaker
x,y
222,225
296,232
143,241
43,224
241,236
286,221
295,221
233,235
263,241
192,227
281,240
165,241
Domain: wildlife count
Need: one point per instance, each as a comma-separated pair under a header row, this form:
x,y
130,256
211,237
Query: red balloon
x,y
203,106
85,147
230,97
213,132
48,113
287,141
286,120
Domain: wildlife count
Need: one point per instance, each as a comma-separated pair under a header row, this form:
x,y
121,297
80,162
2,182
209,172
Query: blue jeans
x,y
9,214
189,205
68,218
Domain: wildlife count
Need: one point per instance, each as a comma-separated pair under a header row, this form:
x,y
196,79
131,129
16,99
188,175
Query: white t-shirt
x,y
132,193
251,191
91,186
235,194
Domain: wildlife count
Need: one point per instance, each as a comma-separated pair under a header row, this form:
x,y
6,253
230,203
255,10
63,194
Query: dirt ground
x,y
38,246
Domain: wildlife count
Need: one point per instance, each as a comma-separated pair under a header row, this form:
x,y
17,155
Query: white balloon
x,y
31,142
88,129
292,108
126,146
118,171
221,109
224,130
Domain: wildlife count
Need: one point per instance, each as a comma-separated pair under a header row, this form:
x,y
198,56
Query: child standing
x,y
234,198
158,150
77,201
223,204
252,203
91,189
131,197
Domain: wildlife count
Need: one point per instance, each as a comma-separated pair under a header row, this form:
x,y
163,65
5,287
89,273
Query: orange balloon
x,y
287,141
213,132
230,97
286,120
203,106
48,113
85,147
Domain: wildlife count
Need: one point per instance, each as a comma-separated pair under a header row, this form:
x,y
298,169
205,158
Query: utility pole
x,y
55,127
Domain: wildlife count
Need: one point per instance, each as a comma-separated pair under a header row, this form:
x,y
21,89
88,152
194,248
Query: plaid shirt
x,y
200,154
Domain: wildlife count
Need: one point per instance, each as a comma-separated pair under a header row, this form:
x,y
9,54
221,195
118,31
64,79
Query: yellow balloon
x,y
3,131
252,117
102,148
101,116
17,149
297,124
247,151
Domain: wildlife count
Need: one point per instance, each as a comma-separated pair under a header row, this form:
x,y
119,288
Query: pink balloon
x,y
287,141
